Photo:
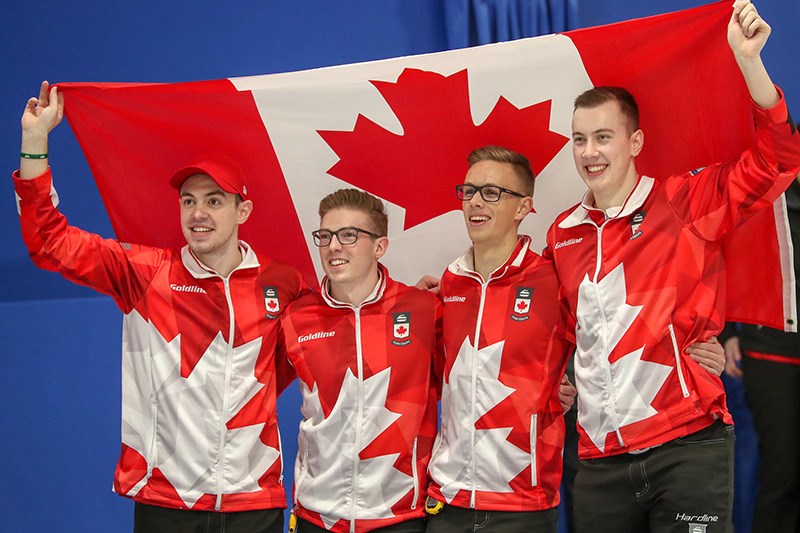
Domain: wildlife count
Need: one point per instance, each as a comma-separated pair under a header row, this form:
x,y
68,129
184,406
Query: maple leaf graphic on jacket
x,y
191,430
328,447
452,464
602,382
419,168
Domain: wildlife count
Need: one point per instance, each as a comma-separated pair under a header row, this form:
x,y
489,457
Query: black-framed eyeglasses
x,y
345,235
490,193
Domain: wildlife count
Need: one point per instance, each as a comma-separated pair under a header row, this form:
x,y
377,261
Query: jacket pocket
x,y
415,470
533,436
678,365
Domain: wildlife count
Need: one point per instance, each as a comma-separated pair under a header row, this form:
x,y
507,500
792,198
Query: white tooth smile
x,y
595,168
337,262
201,230
479,218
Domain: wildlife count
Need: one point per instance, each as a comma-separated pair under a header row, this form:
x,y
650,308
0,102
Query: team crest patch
x,y
697,528
522,304
401,329
271,302
636,221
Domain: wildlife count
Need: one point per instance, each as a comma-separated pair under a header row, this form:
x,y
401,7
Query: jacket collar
x,y
585,212
200,271
465,265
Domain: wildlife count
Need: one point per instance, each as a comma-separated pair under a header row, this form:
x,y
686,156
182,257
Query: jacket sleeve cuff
x,y
777,114
43,180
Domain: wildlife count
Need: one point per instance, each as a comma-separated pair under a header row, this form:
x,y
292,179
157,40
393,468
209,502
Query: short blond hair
x,y
359,201
500,154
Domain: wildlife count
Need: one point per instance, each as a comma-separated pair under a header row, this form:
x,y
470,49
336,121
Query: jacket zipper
x,y
473,397
152,457
359,416
225,397
604,360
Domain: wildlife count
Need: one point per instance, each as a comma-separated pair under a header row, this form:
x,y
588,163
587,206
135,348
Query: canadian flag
x,y
402,128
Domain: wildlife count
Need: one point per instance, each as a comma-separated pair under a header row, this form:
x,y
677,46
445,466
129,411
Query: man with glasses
x,y
200,443
498,460
497,464
363,350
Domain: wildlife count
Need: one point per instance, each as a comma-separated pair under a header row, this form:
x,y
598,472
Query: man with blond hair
x,y
363,349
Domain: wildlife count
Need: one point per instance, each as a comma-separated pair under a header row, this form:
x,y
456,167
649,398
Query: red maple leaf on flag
x,y
419,168
271,304
401,330
522,306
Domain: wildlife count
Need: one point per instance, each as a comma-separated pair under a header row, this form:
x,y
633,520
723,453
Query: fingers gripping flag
x,y
402,128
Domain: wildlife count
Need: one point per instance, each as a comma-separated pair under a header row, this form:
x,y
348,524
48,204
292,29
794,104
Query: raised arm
x,y
747,35
41,115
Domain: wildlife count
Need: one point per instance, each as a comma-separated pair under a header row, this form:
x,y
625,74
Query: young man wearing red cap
x,y
200,444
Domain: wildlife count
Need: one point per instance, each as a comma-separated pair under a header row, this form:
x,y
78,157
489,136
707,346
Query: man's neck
x,y
618,197
354,293
222,263
488,256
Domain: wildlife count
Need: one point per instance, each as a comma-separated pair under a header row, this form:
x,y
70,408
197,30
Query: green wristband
x,y
23,155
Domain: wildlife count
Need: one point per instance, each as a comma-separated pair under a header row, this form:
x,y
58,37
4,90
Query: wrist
x,y
748,61
33,143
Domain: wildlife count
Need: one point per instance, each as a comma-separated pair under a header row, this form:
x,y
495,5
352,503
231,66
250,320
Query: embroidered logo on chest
x,y
271,302
522,304
636,221
401,329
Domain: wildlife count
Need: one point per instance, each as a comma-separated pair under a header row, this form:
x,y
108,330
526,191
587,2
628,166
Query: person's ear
x,y
244,210
381,245
637,142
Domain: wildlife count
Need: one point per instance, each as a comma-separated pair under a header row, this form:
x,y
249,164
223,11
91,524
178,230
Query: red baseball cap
x,y
221,168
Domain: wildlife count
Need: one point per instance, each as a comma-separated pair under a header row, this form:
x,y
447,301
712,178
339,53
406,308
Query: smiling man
x,y
363,350
200,444
498,461
641,266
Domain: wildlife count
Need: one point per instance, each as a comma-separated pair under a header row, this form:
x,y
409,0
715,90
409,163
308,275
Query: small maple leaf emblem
x,y
401,327
429,158
522,303
271,300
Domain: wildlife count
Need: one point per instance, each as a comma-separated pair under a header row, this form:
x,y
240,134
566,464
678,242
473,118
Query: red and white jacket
x,y
646,280
369,407
199,426
502,433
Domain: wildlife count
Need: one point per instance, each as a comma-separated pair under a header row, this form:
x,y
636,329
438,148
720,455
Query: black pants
x,y
459,520
416,525
772,391
153,519
683,484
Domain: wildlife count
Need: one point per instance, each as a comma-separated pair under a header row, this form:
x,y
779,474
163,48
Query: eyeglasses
x,y
490,193
346,235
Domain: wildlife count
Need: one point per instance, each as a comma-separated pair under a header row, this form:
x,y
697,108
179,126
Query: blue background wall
x,y
59,421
